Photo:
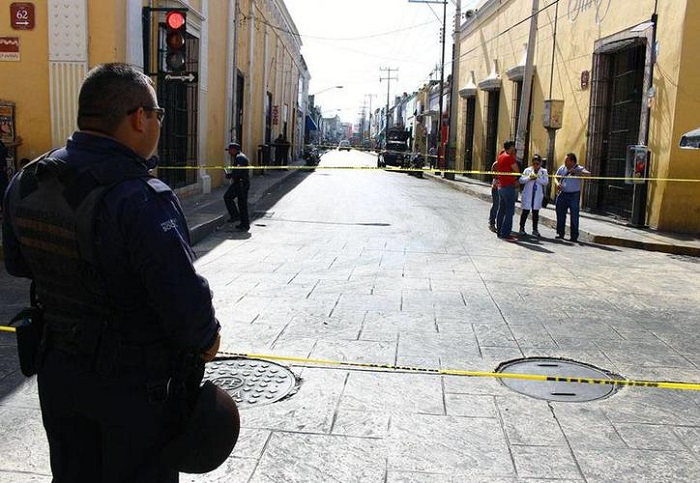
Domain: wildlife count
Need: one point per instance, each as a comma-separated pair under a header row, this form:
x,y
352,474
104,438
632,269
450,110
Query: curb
x,y
583,234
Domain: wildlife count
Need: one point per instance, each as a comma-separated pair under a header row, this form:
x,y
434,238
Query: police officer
x,y
236,196
128,321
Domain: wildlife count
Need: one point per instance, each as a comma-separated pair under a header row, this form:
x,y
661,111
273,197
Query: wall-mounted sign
x,y
9,49
22,16
585,79
275,115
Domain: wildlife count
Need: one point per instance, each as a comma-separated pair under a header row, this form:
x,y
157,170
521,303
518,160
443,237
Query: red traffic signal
x,y
175,20
175,41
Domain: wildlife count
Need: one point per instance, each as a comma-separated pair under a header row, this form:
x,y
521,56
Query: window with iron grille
x,y
490,147
469,135
178,145
614,125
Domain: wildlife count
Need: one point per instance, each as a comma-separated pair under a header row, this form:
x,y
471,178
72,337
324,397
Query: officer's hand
x,y
210,353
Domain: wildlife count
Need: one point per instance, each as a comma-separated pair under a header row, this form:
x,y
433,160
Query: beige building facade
x,y
620,73
244,77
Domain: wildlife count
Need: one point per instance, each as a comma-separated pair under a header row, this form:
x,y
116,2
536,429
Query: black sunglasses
x,y
160,112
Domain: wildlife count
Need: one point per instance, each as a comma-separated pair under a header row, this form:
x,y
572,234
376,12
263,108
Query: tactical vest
x,y
53,210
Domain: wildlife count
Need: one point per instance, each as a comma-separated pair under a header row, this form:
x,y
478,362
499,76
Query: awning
x,y
311,124
691,139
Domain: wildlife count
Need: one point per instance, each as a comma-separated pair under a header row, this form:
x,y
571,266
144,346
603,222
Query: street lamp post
x,y
326,89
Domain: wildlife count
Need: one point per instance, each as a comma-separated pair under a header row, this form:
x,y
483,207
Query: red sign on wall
x,y
22,16
9,49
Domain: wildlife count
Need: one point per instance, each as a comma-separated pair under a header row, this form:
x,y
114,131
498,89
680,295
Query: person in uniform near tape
x,y
236,196
128,322
567,181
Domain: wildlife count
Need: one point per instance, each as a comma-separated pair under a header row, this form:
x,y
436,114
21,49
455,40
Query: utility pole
x,y
524,112
440,153
454,95
388,78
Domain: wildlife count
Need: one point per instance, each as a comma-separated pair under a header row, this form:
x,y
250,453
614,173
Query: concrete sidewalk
x,y
206,212
593,228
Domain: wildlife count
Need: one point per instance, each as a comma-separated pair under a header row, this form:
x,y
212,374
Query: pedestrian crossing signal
x,y
175,41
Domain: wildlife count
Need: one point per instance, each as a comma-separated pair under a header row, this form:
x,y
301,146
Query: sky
x,y
348,43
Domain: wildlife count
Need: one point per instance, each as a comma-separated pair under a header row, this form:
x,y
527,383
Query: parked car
x,y
344,145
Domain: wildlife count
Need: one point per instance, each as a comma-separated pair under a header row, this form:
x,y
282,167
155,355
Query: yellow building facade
x,y
244,77
621,73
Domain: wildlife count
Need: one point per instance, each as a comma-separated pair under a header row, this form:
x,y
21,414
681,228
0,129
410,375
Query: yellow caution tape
x,y
422,170
686,386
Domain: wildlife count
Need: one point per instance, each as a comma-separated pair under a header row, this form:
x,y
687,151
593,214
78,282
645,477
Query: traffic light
x,y
175,43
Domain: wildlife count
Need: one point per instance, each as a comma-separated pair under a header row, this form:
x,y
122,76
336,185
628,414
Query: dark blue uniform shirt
x,y
143,252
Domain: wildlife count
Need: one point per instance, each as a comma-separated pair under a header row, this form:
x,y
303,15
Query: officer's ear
x,y
137,120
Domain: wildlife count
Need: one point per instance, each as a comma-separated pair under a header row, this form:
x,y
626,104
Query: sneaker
x,y
522,233
536,233
511,238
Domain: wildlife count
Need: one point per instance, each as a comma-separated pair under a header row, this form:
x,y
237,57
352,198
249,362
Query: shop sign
x,y
275,115
22,16
9,49
577,7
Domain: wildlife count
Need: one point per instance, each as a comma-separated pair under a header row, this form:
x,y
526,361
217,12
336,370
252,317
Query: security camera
x,y
469,13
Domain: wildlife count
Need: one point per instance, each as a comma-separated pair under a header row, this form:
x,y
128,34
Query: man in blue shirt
x,y
567,180
107,247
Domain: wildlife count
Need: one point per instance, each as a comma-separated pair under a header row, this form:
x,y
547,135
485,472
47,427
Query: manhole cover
x,y
589,390
251,382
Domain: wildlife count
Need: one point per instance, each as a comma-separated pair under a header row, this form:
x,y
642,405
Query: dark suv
x,y
394,154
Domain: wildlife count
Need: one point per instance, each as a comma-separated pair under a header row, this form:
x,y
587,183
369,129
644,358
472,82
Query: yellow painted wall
x,y
217,107
107,25
672,110
680,208
25,83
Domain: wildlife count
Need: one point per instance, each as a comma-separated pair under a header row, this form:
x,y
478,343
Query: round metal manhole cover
x,y
592,383
251,382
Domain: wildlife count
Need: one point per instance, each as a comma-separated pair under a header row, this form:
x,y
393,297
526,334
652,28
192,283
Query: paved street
x,y
379,267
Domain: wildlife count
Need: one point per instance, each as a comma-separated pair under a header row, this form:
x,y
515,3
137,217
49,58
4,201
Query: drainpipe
x,y
524,112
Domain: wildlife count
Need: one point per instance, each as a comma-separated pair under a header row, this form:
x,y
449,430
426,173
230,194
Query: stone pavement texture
x,y
369,295
206,212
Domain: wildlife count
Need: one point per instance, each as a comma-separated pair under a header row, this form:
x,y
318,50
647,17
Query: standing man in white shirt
x,y
568,185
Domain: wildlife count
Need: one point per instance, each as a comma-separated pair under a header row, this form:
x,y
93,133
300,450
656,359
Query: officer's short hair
x,y
108,93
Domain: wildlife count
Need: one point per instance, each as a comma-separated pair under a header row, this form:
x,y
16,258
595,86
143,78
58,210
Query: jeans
x,y
568,202
535,219
494,206
506,210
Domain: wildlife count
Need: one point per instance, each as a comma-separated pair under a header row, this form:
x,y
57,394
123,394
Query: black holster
x,y
31,341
